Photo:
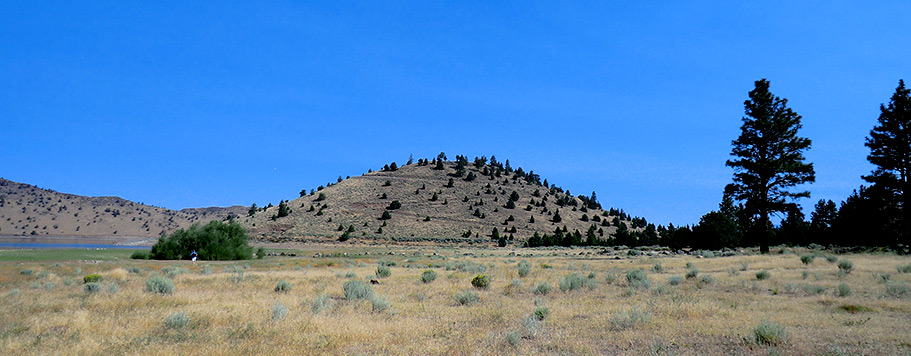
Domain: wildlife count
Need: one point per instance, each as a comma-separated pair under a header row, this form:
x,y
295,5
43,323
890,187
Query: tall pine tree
x,y
890,152
768,159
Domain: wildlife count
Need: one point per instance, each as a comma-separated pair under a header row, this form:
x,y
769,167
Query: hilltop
x,y
440,201
26,210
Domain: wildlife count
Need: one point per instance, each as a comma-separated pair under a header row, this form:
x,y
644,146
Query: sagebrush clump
x,y
524,268
428,276
637,278
768,333
466,297
160,285
357,290
177,320
282,287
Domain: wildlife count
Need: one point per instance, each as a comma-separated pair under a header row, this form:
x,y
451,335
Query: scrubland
x,y
567,302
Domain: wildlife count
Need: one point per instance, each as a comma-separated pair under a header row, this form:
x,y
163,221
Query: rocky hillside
x,y
436,201
26,210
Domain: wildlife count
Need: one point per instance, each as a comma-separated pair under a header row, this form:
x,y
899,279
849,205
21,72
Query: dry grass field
x,y
242,308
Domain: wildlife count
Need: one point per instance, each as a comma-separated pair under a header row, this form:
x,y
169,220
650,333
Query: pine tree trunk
x,y
763,232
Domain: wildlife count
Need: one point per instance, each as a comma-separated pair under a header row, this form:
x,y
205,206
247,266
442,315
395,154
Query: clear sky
x,y
188,104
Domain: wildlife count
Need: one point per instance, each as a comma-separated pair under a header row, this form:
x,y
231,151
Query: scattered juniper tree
x,y
768,159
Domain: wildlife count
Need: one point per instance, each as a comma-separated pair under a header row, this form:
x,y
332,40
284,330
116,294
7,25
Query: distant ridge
x,y
26,210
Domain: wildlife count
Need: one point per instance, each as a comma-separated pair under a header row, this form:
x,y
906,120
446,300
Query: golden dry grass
x,y
235,317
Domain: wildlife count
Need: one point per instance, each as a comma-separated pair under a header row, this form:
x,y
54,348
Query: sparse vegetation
x,y
177,320
524,268
282,287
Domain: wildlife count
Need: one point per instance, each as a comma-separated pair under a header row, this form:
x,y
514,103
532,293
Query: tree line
x,y
768,163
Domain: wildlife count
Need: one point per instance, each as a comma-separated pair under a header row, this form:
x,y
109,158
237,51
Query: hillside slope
x,y
26,210
431,210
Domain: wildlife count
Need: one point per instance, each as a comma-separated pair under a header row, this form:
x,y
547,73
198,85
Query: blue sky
x,y
202,104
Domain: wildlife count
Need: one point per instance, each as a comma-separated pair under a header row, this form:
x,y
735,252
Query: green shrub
x,y
112,287
466,297
524,268
42,275
282,287
843,290
571,281
357,290
763,275
14,292
140,255
657,268
480,281
214,241
813,289
845,266
320,303
260,253
610,277
691,273
807,259
674,280
160,285
68,282
904,269
135,270
706,279
279,311
628,318
768,333
383,271
832,258
177,320
542,288
637,278
428,276
91,287
541,313
896,289
206,270
92,278
378,303
513,339
26,272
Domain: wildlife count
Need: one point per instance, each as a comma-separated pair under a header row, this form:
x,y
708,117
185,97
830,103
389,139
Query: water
x,y
67,246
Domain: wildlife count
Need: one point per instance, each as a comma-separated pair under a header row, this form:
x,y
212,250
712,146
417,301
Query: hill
x,y
441,201
27,210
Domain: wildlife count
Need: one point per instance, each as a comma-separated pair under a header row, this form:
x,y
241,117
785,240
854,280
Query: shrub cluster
x,y
214,241
763,275
282,287
177,320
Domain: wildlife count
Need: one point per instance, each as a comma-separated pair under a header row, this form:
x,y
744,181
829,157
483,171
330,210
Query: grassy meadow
x,y
566,301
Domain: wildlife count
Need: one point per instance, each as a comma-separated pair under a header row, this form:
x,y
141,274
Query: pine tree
x,y
890,152
768,159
